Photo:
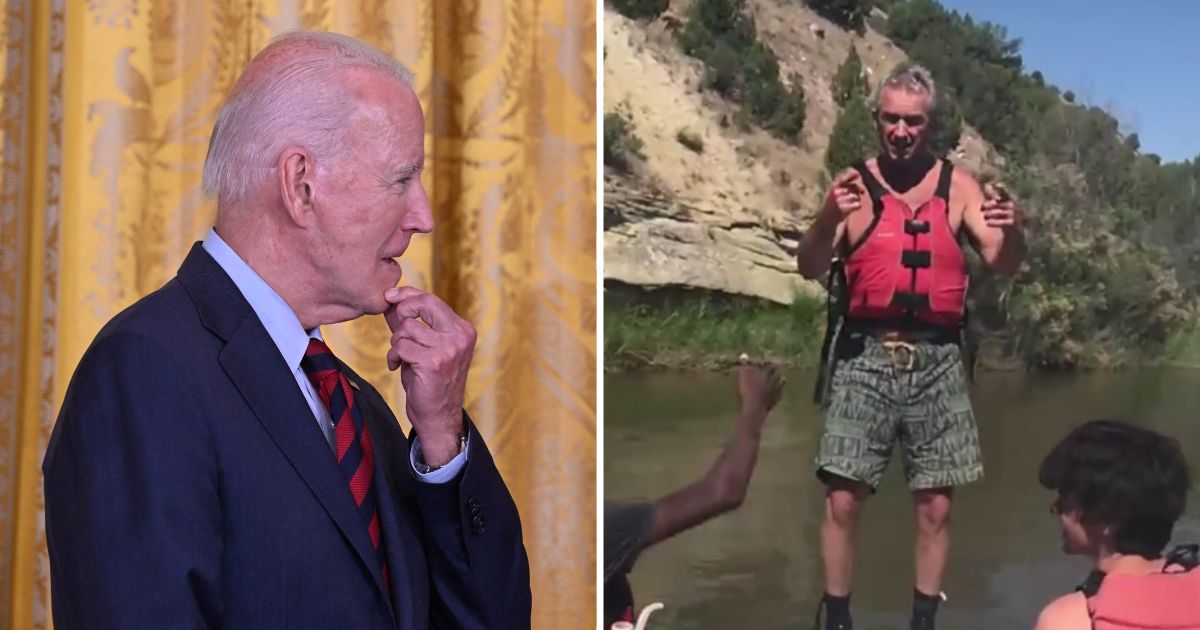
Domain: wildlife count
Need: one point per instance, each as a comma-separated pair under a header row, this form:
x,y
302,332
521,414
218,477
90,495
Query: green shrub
x,y
640,9
849,14
740,68
849,82
621,145
854,137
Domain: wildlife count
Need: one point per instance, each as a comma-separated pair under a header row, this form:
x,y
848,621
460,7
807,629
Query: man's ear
x,y
297,170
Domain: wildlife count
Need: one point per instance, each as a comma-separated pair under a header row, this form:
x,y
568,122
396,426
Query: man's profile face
x,y
371,201
903,122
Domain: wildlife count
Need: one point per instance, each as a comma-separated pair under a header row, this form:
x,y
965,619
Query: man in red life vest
x,y
895,373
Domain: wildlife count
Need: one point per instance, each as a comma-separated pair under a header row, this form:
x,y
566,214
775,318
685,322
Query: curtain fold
x,y
108,105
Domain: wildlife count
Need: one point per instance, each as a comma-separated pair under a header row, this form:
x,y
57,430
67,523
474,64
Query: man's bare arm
x,y
723,488
816,247
993,223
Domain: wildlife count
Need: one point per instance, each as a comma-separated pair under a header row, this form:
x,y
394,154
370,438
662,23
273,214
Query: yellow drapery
x,y
108,105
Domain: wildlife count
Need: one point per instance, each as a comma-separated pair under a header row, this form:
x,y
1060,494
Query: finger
x,y
407,351
999,220
995,203
849,175
989,192
421,305
416,330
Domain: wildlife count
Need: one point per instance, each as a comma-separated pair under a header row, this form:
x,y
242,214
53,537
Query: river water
x,y
759,567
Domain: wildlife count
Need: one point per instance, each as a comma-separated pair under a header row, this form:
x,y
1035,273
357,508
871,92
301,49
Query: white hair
x,y
914,79
290,103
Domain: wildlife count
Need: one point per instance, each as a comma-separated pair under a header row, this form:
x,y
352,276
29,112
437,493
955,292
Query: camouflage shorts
x,y
914,395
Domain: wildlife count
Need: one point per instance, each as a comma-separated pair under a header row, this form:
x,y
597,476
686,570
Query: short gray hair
x,y
290,102
914,79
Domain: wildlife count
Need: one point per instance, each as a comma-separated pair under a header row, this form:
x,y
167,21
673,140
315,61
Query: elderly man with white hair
x,y
215,465
888,235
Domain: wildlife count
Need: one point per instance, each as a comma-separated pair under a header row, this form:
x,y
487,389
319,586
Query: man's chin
x,y
377,306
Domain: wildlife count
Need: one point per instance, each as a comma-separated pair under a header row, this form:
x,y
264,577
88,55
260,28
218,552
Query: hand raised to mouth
x,y
432,347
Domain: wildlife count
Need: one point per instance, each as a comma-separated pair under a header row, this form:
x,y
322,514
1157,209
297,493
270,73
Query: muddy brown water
x,y
759,567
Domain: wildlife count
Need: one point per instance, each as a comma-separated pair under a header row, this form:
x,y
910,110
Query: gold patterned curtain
x,y
108,105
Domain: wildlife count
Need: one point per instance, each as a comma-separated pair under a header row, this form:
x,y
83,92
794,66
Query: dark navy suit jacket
x,y
188,486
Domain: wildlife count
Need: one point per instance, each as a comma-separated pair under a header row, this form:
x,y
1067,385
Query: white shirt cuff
x,y
443,474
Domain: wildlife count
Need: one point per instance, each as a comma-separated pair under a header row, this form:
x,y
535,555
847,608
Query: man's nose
x,y
420,215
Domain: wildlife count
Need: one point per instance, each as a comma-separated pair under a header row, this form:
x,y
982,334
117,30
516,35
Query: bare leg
x,y
843,500
933,537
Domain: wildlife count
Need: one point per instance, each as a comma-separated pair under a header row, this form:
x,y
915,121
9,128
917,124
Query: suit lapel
x,y
256,368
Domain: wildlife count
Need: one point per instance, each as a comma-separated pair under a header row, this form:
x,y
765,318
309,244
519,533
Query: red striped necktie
x,y
355,456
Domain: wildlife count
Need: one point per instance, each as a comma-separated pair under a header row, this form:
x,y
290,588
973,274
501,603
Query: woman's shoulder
x,y
1068,612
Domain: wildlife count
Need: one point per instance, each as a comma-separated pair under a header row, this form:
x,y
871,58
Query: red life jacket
x,y
1168,600
908,266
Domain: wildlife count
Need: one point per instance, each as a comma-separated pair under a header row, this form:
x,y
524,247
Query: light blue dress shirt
x,y
292,340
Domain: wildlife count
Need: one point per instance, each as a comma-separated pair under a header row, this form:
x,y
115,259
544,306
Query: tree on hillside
x,y
1132,142
741,68
850,14
849,82
853,138
622,147
787,121
947,125
639,9
710,21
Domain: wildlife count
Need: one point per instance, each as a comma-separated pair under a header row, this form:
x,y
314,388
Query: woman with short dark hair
x,y
1121,488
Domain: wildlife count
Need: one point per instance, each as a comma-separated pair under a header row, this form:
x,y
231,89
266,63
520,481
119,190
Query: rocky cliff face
x,y
728,215
655,241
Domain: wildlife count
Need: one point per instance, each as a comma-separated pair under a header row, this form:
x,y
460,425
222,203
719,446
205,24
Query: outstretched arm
x,y
723,488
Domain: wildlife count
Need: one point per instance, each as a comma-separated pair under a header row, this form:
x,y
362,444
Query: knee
x,y
842,506
933,511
